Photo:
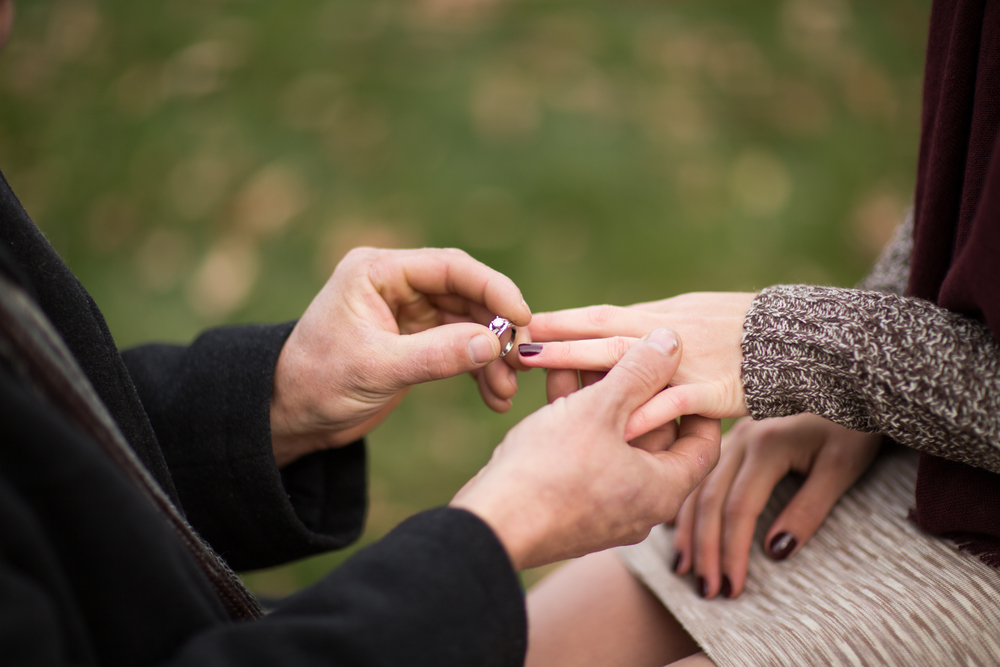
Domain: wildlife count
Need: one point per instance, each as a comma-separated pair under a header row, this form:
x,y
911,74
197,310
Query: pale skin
x,y
385,321
592,611
389,319
565,481
708,380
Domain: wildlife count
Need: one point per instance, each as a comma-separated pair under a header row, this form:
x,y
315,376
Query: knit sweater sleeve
x,y
891,270
871,361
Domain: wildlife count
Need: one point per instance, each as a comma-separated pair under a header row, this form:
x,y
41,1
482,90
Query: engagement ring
x,y
501,328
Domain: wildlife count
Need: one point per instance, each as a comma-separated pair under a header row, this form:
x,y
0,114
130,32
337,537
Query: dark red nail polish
x,y
782,545
529,349
727,587
678,557
702,587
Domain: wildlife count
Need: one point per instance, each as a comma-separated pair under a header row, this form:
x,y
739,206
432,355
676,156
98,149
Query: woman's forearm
x,y
872,361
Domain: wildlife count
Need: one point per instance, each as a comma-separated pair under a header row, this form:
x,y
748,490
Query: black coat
x,y
91,574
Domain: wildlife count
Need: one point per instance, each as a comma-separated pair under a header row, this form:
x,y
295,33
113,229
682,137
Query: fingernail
x,y
529,349
727,587
663,340
678,557
702,587
482,349
782,545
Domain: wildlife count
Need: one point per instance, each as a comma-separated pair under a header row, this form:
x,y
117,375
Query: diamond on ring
x,y
503,328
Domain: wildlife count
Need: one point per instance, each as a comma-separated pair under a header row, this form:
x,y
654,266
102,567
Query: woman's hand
x,y
384,321
564,482
715,526
708,381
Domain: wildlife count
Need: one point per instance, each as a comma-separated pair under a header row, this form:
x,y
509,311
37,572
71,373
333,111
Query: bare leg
x,y
696,660
593,612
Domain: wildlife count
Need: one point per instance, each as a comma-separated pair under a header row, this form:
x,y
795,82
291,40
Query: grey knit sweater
x,y
873,360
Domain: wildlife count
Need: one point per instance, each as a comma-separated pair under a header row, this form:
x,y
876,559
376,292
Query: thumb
x,y
440,352
644,371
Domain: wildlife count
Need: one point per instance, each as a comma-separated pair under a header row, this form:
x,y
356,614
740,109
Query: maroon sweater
x,y
956,256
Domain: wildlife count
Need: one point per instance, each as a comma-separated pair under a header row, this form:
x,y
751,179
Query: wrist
x,y
295,428
513,530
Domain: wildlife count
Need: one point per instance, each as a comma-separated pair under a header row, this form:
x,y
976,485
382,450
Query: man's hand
x,y
565,482
387,320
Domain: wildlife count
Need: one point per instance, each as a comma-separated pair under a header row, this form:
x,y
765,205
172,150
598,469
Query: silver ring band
x,y
510,343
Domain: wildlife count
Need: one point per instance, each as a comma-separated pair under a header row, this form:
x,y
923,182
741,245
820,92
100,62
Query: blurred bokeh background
x,y
201,162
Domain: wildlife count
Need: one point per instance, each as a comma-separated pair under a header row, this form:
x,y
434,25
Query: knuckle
x,y
616,348
560,405
381,266
840,459
641,422
360,252
741,426
679,402
455,252
762,438
358,256
435,362
768,430
711,498
601,315
735,510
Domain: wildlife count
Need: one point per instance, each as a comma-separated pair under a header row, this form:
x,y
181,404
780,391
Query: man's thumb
x,y
644,371
442,352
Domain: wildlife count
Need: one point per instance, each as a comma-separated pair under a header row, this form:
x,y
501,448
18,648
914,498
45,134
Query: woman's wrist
x,y
800,346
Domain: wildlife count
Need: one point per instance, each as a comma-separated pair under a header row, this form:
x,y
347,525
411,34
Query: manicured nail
x,y
702,587
727,587
678,557
529,349
482,349
664,340
782,545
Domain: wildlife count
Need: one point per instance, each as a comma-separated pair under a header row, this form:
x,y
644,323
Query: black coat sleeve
x,y
209,404
90,574
437,591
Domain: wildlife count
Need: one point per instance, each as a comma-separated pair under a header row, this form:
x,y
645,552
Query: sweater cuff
x,y
803,348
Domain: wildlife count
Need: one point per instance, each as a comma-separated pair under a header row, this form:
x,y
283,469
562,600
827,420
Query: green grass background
x,y
200,162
